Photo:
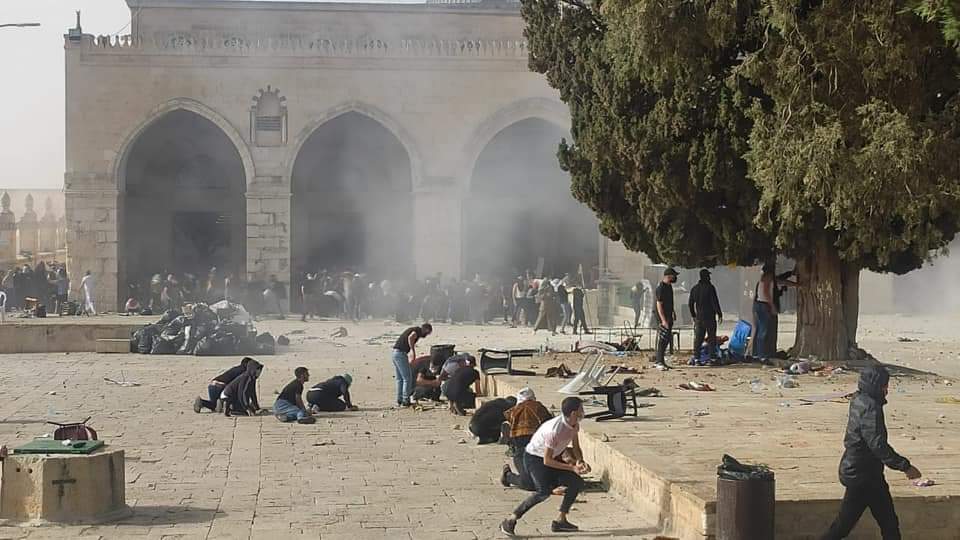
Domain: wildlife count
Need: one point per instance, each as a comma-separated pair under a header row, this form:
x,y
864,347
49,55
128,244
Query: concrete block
x,y
64,488
113,346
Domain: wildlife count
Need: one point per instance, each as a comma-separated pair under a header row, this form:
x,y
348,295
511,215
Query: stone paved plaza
x,y
376,473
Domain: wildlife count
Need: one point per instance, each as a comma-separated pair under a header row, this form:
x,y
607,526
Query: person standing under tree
x,y
665,314
705,309
866,452
579,316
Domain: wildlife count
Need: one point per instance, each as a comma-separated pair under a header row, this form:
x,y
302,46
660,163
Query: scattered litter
x,y
947,382
430,442
801,368
787,381
339,333
924,483
731,469
52,393
838,371
121,382
907,340
649,392
604,437
462,441
622,369
949,400
698,412
412,483
757,386
697,386
839,397
324,443
561,371
456,427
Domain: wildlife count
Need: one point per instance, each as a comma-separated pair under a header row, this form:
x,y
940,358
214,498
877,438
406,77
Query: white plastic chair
x,y
586,377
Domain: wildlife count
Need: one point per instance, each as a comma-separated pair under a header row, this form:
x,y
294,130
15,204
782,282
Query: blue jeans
x,y
291,412
761,317
404,376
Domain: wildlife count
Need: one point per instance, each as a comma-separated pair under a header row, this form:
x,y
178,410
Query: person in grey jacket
x,y
866,453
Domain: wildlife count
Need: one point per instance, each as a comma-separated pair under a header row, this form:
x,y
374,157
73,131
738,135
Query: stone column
x,y
27,229
438,226
91,221
8,233
48,228
268,234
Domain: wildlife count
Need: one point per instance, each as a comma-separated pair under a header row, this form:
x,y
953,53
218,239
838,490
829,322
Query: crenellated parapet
x,y
305,45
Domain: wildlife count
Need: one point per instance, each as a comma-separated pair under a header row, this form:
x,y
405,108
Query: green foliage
x,y
715,132
944,12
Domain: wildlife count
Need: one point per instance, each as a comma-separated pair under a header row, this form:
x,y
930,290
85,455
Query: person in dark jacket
x,y
216,385
488,420
866,451
706,313
240,395
326,395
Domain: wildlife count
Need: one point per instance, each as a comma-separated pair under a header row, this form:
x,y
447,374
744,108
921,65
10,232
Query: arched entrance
x,y
519,209
182,204
352,205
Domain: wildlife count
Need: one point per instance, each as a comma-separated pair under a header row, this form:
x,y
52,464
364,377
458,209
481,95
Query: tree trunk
x,y
827,305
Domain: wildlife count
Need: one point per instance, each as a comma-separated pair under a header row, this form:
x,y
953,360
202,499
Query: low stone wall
x,y
49,338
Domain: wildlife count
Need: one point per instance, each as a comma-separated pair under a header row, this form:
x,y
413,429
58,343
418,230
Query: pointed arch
x,y
190,105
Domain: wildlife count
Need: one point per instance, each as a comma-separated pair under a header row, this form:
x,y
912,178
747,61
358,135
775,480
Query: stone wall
x,y
443,79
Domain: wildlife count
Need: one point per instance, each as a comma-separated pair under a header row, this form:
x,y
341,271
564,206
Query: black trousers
x,y
579,318
545,479
875,496
521,478
706,328
664,340
325,403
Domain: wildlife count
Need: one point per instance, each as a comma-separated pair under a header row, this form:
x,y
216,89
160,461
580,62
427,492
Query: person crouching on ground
x,y
542,459
240,395
459,392
524,419
866,451
487,421
427,385
216,385
289,404
325,397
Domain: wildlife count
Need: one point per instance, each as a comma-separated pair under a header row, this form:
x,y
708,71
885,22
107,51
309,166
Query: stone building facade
x,y
255,83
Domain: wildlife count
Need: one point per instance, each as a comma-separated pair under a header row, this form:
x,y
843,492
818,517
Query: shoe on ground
x,y
563,526
508,526
282,418
503,475
661,366
197,405
306,420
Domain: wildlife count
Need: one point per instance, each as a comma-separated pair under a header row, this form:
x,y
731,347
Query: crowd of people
x,y
44,284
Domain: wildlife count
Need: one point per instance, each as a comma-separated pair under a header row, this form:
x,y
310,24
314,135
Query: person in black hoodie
x,y
866,451
216,386
325,397
240,396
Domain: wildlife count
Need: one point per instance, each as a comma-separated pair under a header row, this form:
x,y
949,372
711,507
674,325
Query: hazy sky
x,y
31,132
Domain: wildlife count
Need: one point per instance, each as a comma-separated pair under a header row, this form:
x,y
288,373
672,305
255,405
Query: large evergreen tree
x,y
709,132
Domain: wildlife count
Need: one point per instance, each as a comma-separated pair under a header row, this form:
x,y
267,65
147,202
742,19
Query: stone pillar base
x,y
54,488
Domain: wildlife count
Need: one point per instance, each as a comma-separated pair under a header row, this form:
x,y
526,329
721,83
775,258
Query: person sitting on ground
x,y
240,395
427,385
133,306
542,458
524,420
216,385
459,393
489,418
326,395
289,405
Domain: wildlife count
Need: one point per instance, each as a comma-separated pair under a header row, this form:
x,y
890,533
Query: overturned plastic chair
x,y
587,377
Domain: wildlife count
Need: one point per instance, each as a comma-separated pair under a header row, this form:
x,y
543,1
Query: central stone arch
x,y
182,177
351,181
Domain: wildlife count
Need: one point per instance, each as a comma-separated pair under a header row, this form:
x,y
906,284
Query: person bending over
x,y
326,395
403,355
289,404
216,385
427,385
240,395
524,419
489,418
866,451
542,458
462,390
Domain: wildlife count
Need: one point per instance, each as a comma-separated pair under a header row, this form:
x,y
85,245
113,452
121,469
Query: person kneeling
x,y
240,395
289,404
542,459
326,395
524,420
487,422
459,393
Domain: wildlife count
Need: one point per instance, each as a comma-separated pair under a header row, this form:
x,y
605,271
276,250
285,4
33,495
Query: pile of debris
x,y
223,329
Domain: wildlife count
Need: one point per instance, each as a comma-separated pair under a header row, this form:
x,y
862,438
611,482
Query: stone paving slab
x,y
387,474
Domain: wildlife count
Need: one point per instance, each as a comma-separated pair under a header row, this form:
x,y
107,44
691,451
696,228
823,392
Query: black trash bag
x,y
165,345
266,344
135,341
219,344
147,335
146,311
232,328
731,469
174,327
168,316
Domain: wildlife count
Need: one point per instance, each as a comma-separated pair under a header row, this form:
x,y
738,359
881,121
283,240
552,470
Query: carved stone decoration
x,y
268,118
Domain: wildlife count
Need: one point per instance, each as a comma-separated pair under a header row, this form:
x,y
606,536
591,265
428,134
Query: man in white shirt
x,y
87,285
541,458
